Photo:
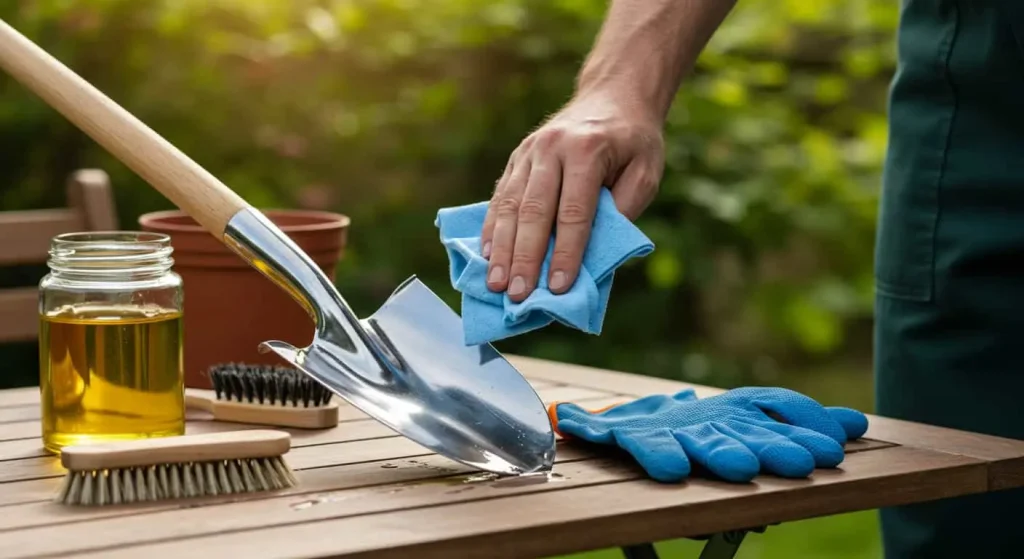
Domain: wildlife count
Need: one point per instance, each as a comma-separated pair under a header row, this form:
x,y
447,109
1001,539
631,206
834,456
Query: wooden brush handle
x,y
232,445
321,417
173,174
200,399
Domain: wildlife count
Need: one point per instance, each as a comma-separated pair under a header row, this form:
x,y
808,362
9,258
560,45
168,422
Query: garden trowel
x,y
406,365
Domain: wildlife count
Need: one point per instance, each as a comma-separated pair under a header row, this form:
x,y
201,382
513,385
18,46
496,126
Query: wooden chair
x,y
25,239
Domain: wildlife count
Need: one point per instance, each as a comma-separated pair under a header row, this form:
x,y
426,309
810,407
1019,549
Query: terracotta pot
x,y
230,307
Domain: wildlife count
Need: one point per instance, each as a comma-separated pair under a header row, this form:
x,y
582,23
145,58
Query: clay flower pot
x,y
229,307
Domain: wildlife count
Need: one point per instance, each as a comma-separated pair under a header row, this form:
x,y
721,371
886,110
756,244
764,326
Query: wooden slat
x,y
298,458
42,489
32,429
313,483
15,414
13,397
940,439
21,449
29,396
597,503
26,459
621,383
1005,456
27,234
19,314
41,476
28,492
89,191
20,421
12,414
22,430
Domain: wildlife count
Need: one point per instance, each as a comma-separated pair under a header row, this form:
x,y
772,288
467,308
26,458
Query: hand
x,y
733,435
551,185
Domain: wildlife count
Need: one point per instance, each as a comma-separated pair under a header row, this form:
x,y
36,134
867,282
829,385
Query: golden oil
x,y
110,373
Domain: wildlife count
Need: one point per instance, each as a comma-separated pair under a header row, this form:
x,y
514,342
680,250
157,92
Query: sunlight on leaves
x,y
664,269
816,329
830,89
727,92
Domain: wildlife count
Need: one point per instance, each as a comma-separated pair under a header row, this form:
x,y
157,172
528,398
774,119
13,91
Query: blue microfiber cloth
x,y
488,316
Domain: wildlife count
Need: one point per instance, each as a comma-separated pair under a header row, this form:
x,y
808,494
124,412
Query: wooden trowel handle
x,y
172,173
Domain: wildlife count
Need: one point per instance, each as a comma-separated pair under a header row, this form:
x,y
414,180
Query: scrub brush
x,y
265,395
179,467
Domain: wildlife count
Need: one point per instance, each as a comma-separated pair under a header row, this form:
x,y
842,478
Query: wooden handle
x,y
185,183
323,417
199,399
232,445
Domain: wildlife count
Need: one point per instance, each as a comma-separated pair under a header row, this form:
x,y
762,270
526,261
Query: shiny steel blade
x,y
406,365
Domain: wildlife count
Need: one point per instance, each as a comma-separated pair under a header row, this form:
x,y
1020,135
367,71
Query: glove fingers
x,y
777,454
796,409
827,453
721,455
855,423
657,452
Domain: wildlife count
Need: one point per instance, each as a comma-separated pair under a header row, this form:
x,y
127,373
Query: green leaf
x,y
816,329
664,269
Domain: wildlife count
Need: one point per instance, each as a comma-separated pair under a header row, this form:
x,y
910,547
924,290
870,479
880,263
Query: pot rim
x,y
330,220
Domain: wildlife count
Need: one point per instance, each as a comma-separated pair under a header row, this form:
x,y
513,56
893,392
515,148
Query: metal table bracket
x,y
719,546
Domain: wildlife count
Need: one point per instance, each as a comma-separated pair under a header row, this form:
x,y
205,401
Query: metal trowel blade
x,y
467,403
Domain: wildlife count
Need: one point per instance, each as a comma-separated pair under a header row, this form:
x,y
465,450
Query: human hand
x,y
733,435
551,185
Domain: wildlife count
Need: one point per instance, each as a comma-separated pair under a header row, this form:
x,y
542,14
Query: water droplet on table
x,y
302,505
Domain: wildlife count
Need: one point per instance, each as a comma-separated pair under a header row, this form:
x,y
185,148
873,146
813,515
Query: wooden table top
x,y
366,492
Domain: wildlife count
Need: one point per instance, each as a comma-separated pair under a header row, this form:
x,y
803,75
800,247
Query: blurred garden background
x,y
387,110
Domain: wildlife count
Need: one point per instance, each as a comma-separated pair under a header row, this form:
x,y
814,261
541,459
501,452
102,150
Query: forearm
x,y
646,47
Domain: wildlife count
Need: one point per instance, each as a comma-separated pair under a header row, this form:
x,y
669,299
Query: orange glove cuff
x,y
553,415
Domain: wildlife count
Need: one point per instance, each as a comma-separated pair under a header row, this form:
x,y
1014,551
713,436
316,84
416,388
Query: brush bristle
x,y
174,481
261,384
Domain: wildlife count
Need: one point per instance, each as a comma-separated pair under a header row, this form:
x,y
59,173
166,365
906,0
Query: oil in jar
x,y
110,373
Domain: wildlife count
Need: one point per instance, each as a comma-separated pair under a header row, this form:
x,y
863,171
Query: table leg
x,y
719,546
723,546
642,551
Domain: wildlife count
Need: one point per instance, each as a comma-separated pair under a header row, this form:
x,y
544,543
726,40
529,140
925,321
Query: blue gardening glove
x,y
731,435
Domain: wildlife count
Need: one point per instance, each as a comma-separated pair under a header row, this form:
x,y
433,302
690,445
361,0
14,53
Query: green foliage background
x,y
394,108
387,110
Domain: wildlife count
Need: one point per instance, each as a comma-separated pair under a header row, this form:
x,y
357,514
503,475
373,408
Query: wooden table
x,y
366,492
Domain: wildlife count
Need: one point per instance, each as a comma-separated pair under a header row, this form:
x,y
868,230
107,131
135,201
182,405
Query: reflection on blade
x,y
465,402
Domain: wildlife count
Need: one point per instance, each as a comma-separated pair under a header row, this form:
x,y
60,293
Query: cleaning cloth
x,y
488,316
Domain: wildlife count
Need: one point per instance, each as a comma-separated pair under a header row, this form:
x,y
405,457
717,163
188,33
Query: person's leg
x,y
949,312
955,379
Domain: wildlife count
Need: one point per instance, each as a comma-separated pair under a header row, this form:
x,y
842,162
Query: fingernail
x,y
558,280
497,274
517,287
487,249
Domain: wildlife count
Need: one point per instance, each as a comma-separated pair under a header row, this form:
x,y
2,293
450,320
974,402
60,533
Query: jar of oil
x,y
110,340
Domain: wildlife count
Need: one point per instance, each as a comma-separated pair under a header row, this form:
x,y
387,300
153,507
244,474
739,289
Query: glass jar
x,y
110,339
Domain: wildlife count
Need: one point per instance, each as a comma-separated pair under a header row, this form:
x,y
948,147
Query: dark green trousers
x,y
949,336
